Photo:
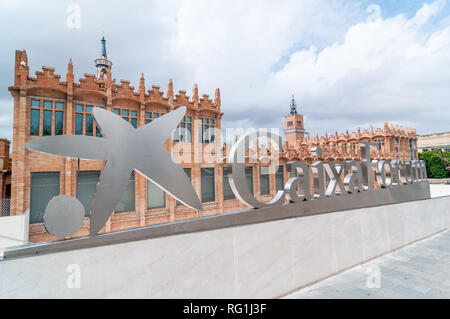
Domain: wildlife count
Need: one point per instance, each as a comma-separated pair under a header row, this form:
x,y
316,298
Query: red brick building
x,y
47,105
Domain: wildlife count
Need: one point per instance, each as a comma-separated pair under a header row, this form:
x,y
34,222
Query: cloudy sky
x,y
348,63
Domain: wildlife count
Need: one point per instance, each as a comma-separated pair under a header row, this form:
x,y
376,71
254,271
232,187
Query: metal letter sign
x,y
298,189
124,148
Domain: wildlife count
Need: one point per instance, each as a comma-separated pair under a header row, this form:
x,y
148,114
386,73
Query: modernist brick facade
x,y
39,101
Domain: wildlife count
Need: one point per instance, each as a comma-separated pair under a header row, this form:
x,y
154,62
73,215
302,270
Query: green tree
x,y
435,165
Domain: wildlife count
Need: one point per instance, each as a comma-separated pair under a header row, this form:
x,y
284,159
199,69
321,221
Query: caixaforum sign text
x,y
308,182
126,148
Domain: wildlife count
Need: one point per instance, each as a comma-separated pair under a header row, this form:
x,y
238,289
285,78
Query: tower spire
x,y
102,64
293,106
103,53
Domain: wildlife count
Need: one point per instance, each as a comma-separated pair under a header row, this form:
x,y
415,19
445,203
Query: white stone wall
x,y
256,261
13,230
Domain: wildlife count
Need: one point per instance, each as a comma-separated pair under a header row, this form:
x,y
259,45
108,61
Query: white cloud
x,y
347,67
384,70
374,70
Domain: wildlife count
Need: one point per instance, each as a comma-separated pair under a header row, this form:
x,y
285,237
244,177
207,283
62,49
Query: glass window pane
x,y
44,186
34,122
125,112
211,132
134,122
264,183
35,103
155,115
189,133
156,197
187,171
212,121
207,175
249,177
148,114
47,123
182,132
227,192
86,185
134,113
279,176
206,134
176,135
59,122
126,203
89,125
98,133
78,124
126,119
117,111
89,108
48,104
147,121
59,105
79,107
189,119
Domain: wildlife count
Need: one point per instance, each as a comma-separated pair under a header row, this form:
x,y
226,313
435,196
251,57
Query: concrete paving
x,y
419,270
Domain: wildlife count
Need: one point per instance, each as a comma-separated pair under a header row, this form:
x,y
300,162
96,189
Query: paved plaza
x,y
419,270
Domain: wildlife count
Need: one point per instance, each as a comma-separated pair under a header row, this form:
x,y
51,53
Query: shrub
x,y
435,165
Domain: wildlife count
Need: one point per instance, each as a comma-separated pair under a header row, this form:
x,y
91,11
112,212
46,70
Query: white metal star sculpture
x,y
124,148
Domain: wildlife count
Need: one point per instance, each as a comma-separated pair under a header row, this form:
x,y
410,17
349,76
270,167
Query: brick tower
x,y
293,126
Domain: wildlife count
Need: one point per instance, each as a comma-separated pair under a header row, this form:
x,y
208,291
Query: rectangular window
x,y
130,117
207,176
249,178
44,186
148,117
279,178
206,130
410,150
264,182
84,121
79,124
126,203
227,192
47,123
47,110
156,197
183,133
34,122
86,185
59,122
187,171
